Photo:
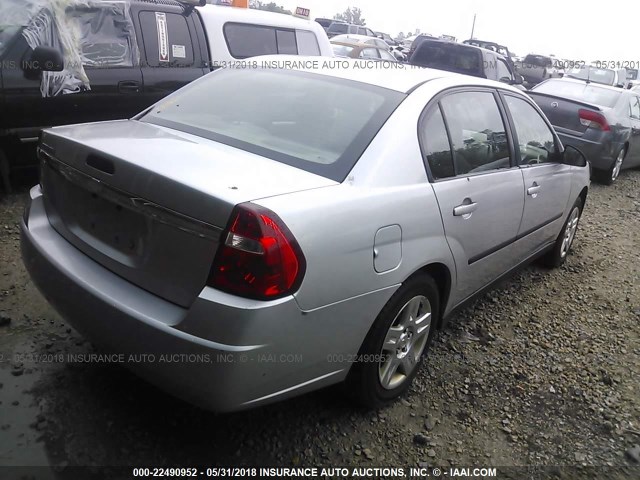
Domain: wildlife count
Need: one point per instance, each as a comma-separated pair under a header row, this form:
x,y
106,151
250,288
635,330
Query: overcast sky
x,y
570,29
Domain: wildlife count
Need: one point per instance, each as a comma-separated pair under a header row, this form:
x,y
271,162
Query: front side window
x,y
478,134
319,124
105,35
535,139
436,147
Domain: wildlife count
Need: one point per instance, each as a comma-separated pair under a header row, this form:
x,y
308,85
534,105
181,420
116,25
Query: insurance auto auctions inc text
x,y
376,472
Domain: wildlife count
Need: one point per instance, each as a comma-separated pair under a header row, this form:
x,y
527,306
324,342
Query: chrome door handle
x,y
534,190
465,209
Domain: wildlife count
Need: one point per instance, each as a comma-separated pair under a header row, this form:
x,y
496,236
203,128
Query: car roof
x,y
400,77
354,36
461,45
254,16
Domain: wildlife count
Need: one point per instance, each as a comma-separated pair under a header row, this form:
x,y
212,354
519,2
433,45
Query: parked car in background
x,y
357,48
495,47
604,76
602,121
415,43
465,59
633,77
536,68
325,22
364,41
128,56
340,28
387,38
221,253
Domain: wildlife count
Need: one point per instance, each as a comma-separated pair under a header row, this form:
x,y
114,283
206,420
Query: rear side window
x,y
535,139
338,28
477,131
436,147
307,43
167,40
245,40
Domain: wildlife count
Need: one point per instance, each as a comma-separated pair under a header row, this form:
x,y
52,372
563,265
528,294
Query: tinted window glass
x,y
580,91
179,48
105,37
535,139
450,57
286,42
316,123
436,146
338,28
307,43
246,41
6,34
478,134
538,60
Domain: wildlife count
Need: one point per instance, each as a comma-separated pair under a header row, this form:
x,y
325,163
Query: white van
x,y
234,34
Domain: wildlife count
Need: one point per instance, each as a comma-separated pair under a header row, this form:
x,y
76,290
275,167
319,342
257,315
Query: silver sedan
x,y
262,233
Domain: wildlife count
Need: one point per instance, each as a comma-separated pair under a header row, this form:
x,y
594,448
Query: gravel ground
x,y
542,371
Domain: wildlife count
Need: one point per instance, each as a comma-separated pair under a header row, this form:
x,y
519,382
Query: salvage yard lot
x,y
542,371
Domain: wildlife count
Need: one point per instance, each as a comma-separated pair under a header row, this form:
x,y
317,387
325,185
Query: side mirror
x,y
519,79
506,80
573,156
45,59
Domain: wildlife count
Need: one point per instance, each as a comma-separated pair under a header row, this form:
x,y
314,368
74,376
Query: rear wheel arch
x,y
442,276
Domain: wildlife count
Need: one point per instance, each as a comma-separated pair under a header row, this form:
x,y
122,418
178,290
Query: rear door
x,y
633,155
547,182
478,187
171,53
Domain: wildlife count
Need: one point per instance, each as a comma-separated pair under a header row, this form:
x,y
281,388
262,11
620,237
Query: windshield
x,y
7,32
581,92
597,75
341,50
338,28
316,123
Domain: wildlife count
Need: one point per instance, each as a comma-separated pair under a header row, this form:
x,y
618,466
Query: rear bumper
x,y
599,152
223,353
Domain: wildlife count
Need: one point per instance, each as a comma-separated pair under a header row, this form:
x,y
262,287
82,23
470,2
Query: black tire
x,y
558,255
606,177
363,382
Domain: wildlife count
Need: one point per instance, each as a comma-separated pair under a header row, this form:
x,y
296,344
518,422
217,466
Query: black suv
x,y
465,59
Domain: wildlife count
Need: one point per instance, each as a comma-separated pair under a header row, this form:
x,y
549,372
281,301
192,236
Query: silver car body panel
x,y
361,239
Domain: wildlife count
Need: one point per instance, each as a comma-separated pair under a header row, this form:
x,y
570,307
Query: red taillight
x,y
258,256
589,118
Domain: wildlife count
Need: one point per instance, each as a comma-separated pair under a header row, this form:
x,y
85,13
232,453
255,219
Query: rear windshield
x,y
450,57
581,92
314,122
338,28
596,75
538,60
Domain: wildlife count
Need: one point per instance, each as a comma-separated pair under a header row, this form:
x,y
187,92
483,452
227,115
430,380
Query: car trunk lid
x,y
149,203
564,113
